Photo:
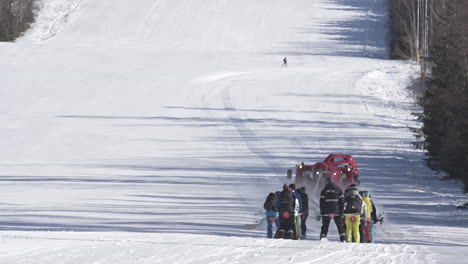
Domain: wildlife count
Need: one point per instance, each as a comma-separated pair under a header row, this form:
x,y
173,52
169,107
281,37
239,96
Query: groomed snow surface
x,y
151,131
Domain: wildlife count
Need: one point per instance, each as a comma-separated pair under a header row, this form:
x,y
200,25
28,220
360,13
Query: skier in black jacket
x,y
305,210
332,206
286,204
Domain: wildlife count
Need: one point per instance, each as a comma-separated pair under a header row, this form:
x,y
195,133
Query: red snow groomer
x,y
342,168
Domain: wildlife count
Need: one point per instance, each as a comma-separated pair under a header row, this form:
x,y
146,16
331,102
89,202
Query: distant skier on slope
x,y
332,207
285,62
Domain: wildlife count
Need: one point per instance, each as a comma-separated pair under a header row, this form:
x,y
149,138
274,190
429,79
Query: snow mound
x,y
380,85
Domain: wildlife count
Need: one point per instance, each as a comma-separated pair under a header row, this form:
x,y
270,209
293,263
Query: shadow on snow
x,y
362,35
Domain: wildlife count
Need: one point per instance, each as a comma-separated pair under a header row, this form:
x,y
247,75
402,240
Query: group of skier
x,y
288,210
353,212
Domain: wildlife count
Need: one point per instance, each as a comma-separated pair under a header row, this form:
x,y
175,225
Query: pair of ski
x,y
319,216
380,218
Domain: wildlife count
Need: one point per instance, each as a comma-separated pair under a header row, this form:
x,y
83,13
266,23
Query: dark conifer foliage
x,y
15,17
445,97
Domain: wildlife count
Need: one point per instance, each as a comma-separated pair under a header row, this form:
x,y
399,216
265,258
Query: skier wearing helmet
x,y
374,218
352,211
362,225
297,210
331,207
368,219
286,205
305,210
271,212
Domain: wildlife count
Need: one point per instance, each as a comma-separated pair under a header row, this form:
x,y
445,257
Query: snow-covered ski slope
x,y
151,131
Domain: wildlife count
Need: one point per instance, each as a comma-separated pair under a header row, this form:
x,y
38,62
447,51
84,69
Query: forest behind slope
x,y
434,33
16,16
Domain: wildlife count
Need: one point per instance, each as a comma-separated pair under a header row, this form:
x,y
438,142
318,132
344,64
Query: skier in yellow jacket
x,y
366,198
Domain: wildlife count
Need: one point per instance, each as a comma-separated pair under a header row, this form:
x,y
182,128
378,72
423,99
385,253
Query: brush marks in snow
x,y
51,19
222,83
247,134
74,248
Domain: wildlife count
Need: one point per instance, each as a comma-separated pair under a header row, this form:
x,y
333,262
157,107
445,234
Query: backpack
x,y
353,203
269,202
286,201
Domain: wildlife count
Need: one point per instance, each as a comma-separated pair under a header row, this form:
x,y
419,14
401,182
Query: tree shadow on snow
x,y
363,35
183,206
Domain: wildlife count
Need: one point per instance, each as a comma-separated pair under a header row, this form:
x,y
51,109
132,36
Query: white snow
x,y
151,131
